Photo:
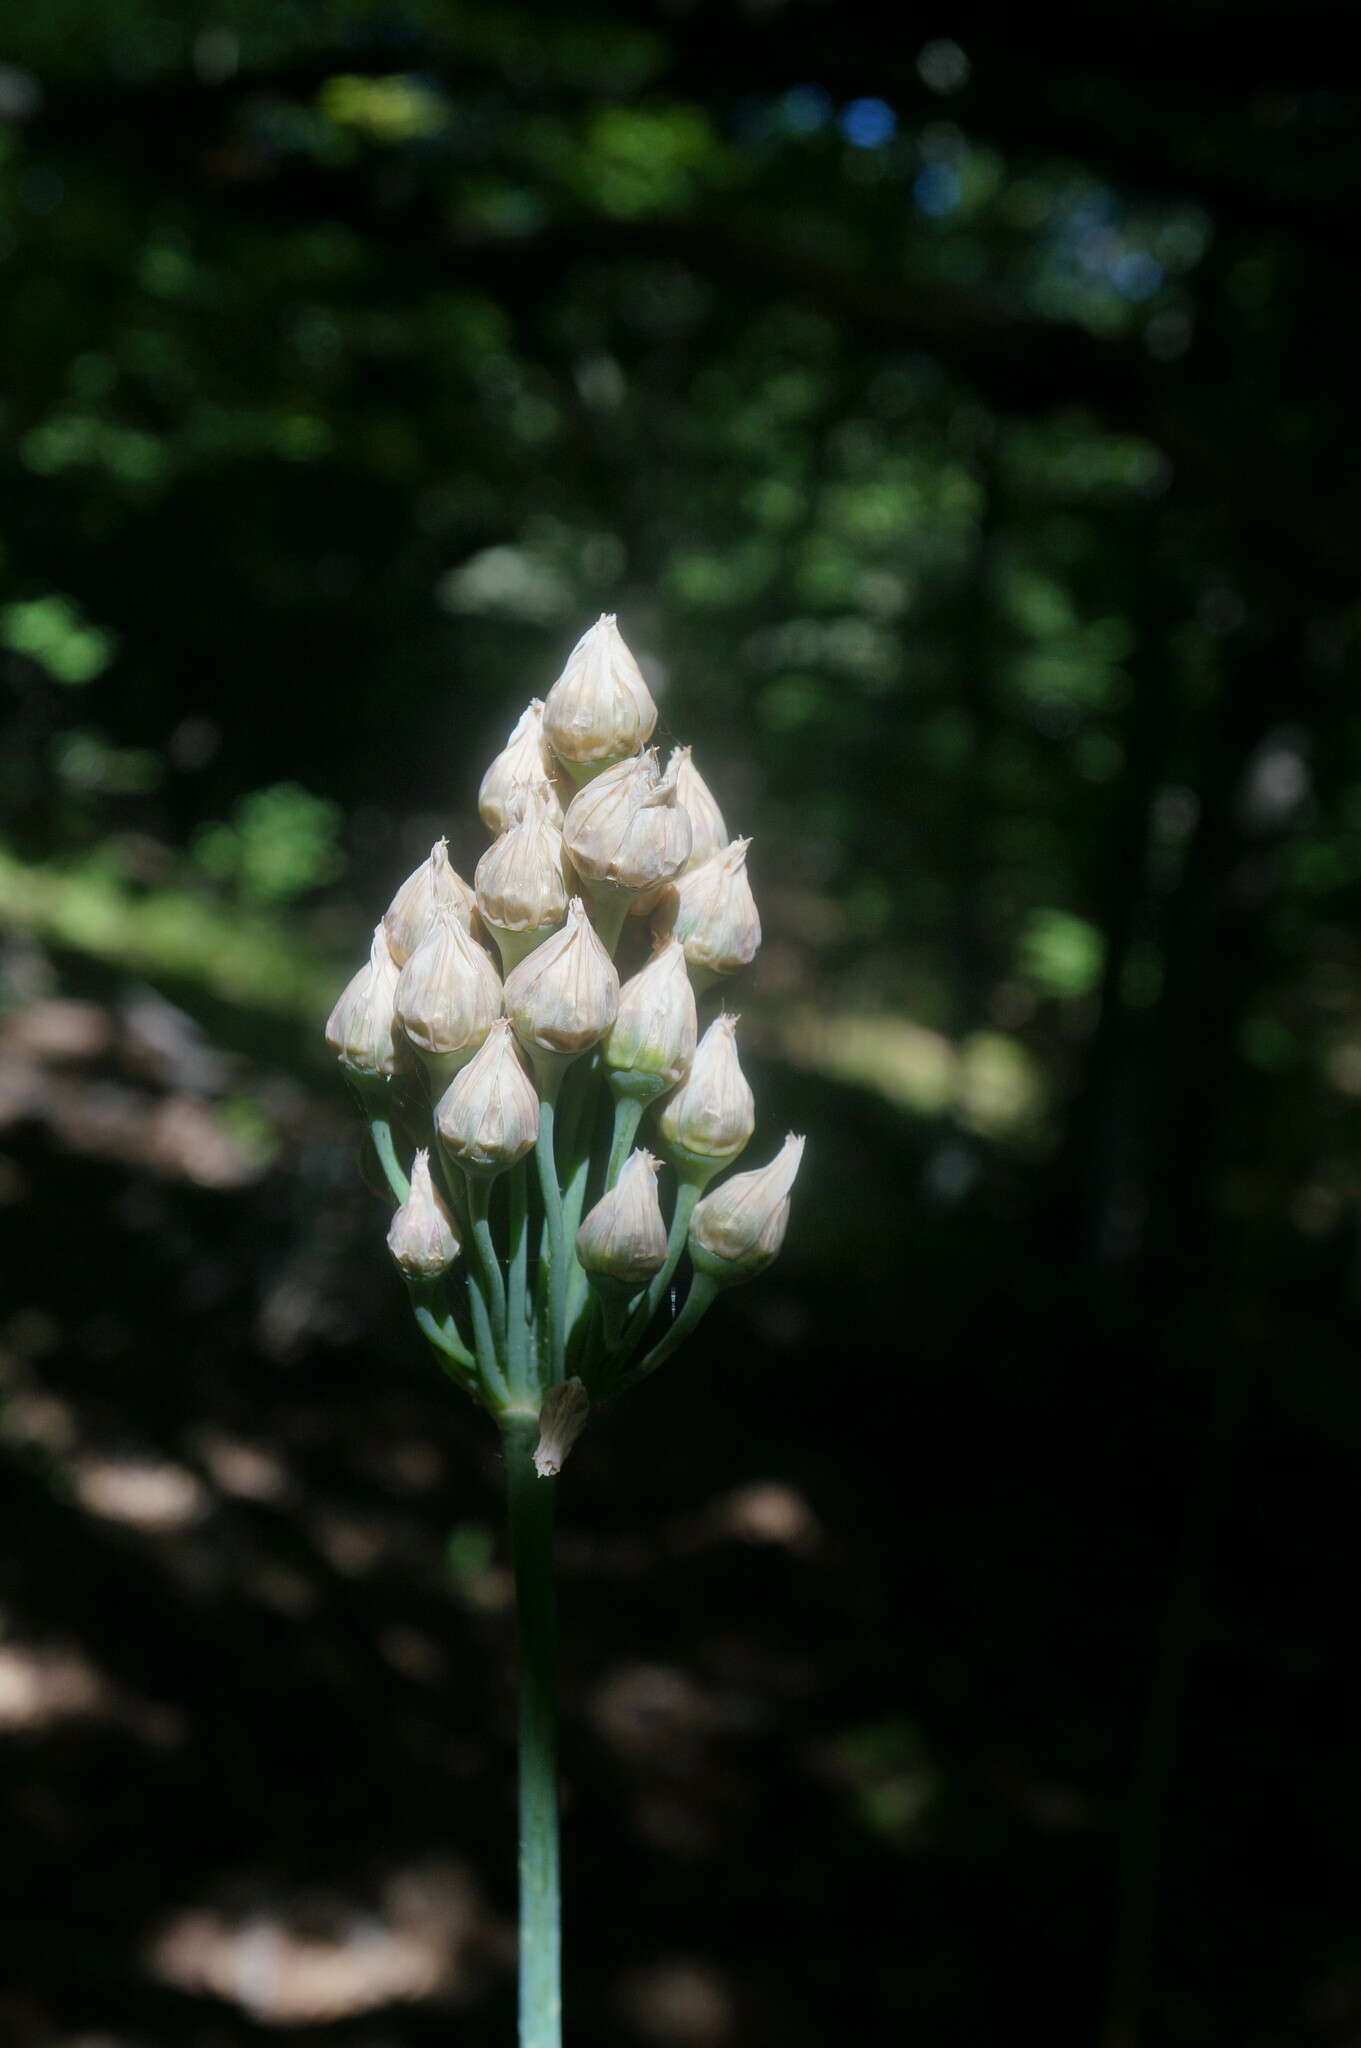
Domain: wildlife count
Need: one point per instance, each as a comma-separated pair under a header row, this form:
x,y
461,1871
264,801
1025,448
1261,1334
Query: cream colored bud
x,y
488,1116
715,916
362,1028
525,758
434,886
651,1042
627,828
710,1118
708,833
521,889
739,1228
422,1238
449,993
562,1417
624,1237
599,709
564,995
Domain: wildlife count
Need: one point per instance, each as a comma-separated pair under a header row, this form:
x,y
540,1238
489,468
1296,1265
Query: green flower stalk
x,y
531,1235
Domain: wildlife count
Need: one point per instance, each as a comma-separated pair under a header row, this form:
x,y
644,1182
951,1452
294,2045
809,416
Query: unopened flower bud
x,y
434,886
562,1417
449,994
422,1238
599,709
714,915
627,829
651,1042
710,1118
708,833
526,757
564,995
521,890
362,1028
488,1116
738,1229
623,1240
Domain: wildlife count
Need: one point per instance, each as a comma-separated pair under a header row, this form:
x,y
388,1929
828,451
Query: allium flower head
x,y
738,1229
422,1237
599,709
434,886
488,1116
564,995
362,1028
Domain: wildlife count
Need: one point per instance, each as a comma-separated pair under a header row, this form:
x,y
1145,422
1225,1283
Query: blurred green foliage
x,y
360,357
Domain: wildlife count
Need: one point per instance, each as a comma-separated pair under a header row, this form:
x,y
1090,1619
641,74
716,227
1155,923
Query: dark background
x,y
962,420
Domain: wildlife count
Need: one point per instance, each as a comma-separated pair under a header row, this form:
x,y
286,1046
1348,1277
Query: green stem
x,y
479,1210
579,1173
627,1116
549,1077
517,1352
531,1534
702,1292
380,1130
609,912
488,1364
687,1194
437,1325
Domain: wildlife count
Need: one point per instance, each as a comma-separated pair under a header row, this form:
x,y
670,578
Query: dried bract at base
x,y
362,1029
562,1417
738,1229
422,1237
488,1116
432,887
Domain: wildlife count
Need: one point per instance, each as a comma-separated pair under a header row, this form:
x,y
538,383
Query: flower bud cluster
x,y
587,827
